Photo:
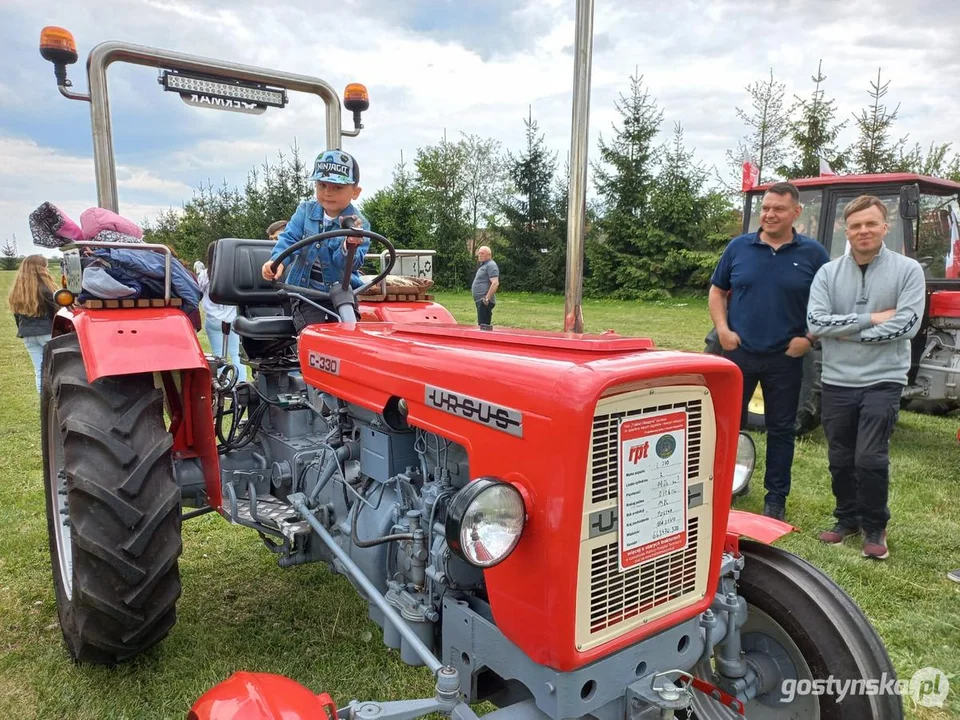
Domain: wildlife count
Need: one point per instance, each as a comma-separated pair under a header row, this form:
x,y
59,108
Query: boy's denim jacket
x,y
306,221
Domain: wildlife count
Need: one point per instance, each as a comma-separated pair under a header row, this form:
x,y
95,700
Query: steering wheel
x,y
348,266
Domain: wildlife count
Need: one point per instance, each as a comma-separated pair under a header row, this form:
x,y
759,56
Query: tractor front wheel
x,y
802,623
113,508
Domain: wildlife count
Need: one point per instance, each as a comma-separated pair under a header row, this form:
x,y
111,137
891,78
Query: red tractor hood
x,y
517,369
522,403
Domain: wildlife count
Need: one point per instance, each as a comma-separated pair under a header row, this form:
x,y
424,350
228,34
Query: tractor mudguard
x,y
127,341
756,527
131,341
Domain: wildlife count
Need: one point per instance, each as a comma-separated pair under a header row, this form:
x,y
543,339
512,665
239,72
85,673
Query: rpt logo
x,y
639,452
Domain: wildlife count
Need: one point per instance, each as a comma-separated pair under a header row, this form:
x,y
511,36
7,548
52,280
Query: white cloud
x,y
140,179
31,174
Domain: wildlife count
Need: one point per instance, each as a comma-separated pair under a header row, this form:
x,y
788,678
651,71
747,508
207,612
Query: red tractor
x,y
541,518
924,218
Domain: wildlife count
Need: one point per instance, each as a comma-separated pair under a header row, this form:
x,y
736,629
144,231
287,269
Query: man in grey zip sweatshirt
x,y
865,307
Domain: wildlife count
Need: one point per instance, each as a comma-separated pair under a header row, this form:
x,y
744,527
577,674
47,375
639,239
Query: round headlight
x,y
484,522
746,458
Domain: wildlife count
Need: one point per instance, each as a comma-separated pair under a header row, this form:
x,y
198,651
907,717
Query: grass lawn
x,y
240,611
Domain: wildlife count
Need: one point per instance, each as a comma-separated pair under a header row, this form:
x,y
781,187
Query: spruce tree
x,y
8,255
529,212
624,178
769,128
814,133
874,151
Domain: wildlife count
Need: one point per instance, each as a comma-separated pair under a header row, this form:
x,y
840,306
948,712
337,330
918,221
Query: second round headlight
x,y
746,459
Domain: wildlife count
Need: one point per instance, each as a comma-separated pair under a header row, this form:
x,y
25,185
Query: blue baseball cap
x,y
336,166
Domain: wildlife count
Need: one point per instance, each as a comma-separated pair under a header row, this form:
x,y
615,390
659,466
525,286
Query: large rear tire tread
x,y
930,407
124,508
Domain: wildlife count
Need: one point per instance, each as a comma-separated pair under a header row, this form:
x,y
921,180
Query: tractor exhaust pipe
x,y
579,140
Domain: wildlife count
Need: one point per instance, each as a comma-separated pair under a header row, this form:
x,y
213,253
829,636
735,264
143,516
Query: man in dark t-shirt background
x,y
485,285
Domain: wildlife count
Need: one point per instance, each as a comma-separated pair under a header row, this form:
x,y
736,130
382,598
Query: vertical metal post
x,y
579,137
103,165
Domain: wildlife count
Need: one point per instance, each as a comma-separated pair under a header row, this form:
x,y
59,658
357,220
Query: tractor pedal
x,y
273,513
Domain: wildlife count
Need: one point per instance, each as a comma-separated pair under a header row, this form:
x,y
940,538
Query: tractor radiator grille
x,y
612,602
618,596
604,482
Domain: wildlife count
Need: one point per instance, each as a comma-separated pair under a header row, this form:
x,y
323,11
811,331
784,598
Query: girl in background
x,y
215,316
31,302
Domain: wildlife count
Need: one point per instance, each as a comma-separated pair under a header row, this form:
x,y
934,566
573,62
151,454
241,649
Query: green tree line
x,y
658,223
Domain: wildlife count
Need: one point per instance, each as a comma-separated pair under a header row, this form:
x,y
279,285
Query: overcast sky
x,y
431,66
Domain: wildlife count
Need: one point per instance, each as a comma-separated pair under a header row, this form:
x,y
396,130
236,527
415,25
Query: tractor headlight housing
x,y
746,459
485,521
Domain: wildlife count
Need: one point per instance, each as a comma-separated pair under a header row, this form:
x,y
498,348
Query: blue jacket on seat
x,y
328,254
145,269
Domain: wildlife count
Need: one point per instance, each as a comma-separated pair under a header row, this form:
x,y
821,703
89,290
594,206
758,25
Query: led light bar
x,y
219,87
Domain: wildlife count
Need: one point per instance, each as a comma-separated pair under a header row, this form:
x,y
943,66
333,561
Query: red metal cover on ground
x,y
262,696
945,303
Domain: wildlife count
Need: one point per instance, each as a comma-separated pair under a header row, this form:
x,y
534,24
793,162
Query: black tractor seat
x,y
264,328
235,279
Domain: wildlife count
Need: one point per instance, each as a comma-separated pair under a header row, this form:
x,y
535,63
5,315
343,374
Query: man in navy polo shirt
x,y
758,303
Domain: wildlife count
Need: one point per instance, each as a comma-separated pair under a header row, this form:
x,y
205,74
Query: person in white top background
x,y
215,316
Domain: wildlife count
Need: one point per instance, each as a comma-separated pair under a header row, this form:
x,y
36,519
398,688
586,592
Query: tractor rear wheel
x,y
930,407
800,618
113,508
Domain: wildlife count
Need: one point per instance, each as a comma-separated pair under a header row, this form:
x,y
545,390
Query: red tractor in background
x,y
924,218
556,539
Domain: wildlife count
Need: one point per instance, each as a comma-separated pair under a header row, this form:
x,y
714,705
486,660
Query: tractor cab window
x,y
894,240
809,221
938,239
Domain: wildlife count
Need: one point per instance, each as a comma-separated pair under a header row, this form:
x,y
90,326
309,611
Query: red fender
x,y
262,696
756,527
133,340
127,341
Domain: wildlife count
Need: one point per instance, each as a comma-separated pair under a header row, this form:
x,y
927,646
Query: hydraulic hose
x,y
375,541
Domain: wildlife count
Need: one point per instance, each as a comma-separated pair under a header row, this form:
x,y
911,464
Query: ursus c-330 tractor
x,y
540,518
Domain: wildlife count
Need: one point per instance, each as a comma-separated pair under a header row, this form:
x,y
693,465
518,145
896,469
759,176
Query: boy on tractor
x,y
337,177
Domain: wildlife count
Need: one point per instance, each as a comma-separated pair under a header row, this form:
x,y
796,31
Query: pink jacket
x,y
96,219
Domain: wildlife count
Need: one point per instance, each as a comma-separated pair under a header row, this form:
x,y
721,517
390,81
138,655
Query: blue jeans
x,y
215,334
35,345
780,377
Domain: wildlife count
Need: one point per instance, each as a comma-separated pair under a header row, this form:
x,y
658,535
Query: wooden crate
x,y
394,295
139,303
